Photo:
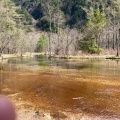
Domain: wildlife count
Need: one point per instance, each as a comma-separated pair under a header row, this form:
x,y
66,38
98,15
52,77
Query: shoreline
x,y
5,57
77,57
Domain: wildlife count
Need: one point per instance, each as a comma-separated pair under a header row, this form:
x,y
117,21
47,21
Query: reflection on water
x,y
89,86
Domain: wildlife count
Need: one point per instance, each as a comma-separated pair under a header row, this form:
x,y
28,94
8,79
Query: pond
x,y
81,86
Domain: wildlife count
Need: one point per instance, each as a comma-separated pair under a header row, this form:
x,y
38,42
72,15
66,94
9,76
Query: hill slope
x,y
76,12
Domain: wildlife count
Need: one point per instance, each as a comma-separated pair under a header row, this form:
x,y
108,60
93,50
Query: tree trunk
x,y
98,49
21,55
50,32
66,49
113,30
58,33
113,41
108,41
118,43
0,52
49,44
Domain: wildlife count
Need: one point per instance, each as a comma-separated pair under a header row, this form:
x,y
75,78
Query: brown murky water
x,y
84,86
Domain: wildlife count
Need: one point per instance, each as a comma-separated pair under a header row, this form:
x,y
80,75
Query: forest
x,y
60,27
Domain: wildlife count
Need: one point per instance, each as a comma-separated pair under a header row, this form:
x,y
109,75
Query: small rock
x,y
37,113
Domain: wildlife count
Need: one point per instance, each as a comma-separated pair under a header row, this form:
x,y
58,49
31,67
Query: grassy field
x,y
7,56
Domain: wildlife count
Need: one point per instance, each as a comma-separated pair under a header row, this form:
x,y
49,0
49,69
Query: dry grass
x,y
86,57
7,56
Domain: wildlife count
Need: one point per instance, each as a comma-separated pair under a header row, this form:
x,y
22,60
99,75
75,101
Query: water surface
x,y
78,86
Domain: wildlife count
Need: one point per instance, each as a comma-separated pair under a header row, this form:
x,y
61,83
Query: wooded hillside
x,y
67,27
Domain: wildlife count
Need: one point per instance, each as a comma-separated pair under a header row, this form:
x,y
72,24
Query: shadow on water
x,y
45,61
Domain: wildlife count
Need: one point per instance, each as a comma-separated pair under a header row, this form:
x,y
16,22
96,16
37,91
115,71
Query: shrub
x,y
89,46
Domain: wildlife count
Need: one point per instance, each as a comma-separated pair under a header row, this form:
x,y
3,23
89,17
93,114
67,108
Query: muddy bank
x,y
31,115
26,111
6,57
